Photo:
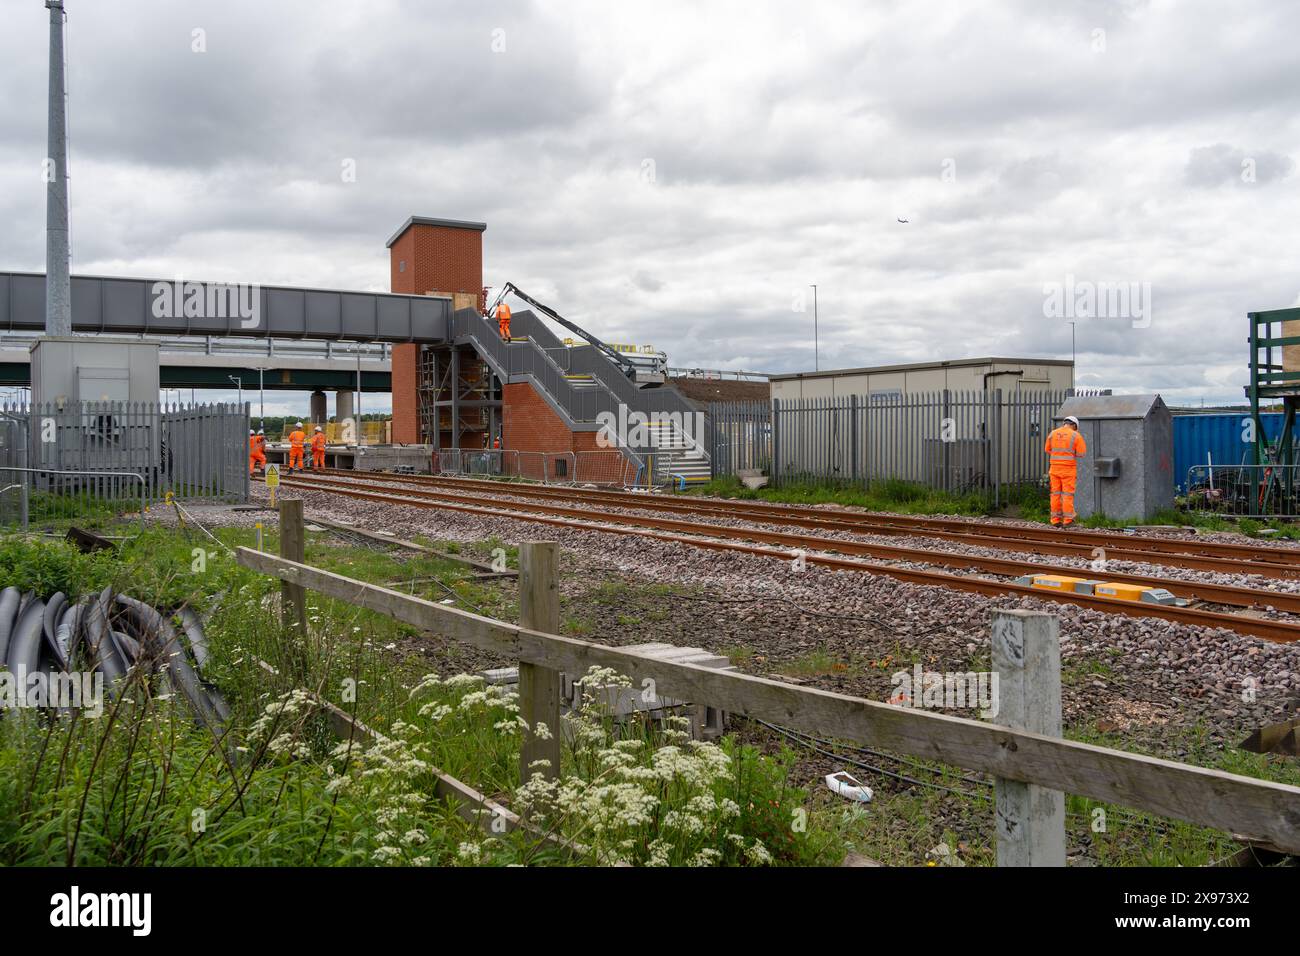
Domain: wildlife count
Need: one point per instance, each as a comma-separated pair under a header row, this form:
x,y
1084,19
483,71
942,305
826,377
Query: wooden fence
x,y
1025,760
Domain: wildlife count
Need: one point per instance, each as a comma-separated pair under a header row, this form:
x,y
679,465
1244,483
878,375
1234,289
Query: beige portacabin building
x,y
974,374
960,425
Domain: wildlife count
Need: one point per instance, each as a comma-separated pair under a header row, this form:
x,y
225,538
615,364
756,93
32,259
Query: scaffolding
x,y
1272,489
458,398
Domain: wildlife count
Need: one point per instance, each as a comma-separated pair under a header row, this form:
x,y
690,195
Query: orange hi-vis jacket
x,y
296,438
318,442
1064,448
503,320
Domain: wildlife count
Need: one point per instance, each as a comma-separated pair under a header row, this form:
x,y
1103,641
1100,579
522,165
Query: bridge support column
x,y
343,411
319,413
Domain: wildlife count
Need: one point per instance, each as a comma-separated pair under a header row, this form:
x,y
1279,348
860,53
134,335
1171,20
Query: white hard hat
x,y
1071,418
250,431
300,424
261,431
318,428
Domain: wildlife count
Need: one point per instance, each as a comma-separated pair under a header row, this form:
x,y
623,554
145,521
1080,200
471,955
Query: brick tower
x,y
429,257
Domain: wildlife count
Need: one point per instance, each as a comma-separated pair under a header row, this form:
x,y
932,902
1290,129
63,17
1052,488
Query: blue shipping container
x,y
1217,439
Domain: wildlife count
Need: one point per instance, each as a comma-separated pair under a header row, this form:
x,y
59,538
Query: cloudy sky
x,y
679,173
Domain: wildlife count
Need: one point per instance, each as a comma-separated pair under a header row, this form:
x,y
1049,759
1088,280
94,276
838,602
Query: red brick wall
x,y
406,412
529,424
440,259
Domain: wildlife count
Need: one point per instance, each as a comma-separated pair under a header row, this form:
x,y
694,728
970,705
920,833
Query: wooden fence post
x,y
539,687
1027,661
293,547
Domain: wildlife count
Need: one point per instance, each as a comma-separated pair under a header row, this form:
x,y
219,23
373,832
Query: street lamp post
x,y
239,384
261,388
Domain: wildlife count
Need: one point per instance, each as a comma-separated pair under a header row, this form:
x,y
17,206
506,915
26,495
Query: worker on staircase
x,y
318,448
1065,446
296,439
252,451
503,321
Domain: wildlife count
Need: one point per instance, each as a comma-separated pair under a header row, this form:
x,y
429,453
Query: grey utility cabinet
x,y
1128,472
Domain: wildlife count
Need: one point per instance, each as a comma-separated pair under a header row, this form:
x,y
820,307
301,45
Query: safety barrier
x,y
548,467
1260,491
609,466
346,432
49,495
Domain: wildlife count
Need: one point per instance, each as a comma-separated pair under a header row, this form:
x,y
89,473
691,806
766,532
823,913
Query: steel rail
x,y
1194,590
1255,553
1276,631
866,524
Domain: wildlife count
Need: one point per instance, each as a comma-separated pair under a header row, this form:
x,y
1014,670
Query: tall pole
x,y
261,387
816,360
358,393
58,284
1073,359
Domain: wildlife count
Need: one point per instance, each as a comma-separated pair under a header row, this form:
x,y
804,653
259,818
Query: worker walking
x,y
318,448
503,321
256,450
1065,446
296,439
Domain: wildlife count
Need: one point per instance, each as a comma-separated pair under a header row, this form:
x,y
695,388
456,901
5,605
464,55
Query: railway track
x,y
719,537
1216,556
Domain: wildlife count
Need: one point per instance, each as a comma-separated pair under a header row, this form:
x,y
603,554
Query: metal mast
x,y
58,284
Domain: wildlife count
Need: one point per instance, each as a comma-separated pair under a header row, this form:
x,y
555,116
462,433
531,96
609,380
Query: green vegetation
x,y
899,496
143,784
1029,502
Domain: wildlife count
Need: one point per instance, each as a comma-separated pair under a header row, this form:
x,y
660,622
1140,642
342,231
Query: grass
x,y
891,495
1028,502
144,786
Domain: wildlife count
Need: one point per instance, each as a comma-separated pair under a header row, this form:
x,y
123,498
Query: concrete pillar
x,y
319,412
342,414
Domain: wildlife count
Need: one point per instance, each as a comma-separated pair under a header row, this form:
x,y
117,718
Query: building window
x,y
401,265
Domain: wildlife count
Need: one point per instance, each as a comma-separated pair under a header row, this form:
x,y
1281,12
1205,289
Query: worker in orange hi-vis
x,y
318,448
296,438
256,450
503,320
1065,446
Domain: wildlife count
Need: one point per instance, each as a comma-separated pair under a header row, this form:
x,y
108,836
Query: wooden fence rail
x,y
1255,810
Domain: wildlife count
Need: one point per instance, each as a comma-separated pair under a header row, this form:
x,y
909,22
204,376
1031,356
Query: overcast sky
x,y
678,173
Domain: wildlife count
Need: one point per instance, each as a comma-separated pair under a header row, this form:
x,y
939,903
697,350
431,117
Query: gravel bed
x,y
1145,677
923,543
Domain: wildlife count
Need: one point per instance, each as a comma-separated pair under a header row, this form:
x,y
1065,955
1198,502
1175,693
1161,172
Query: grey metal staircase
x,y
586,386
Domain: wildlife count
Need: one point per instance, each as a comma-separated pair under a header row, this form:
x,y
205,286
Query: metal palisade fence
x,y
957,441
65,456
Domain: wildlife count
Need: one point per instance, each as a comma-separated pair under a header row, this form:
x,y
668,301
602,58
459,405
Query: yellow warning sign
x,y
272,481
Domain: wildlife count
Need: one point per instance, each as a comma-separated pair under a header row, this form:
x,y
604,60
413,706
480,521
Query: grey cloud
x,y
781,159
1219,164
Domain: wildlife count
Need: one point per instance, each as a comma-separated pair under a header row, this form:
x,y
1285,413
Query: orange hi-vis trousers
x,y
295,456
317,457
1063,497
1064,447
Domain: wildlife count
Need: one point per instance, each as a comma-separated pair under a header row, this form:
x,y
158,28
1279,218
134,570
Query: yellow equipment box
x,y
1058,582
1121,592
